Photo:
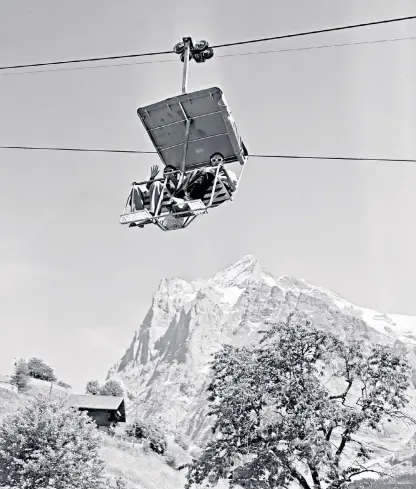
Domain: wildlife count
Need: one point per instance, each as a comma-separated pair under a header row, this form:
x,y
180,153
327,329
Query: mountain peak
x,y
246,262
166,368
245,269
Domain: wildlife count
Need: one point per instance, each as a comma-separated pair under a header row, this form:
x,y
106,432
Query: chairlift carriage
x,y
190,132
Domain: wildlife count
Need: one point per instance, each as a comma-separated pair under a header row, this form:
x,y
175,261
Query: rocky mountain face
x,y
166,366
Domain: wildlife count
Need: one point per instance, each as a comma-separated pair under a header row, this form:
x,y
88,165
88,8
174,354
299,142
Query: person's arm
x,y
154,170
188,179
231,183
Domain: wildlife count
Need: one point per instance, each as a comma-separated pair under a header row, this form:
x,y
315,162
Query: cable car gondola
x,y
194,134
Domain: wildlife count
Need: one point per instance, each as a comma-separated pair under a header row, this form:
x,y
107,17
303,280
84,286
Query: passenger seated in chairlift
x,y
200,181
194,185
227,177
153,189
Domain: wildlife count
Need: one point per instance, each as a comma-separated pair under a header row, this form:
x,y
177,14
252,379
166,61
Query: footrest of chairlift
x,y
137,217
196,206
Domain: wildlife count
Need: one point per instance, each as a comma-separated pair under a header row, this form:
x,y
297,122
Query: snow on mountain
x,y
166,366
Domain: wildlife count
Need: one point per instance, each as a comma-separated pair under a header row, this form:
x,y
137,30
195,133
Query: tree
x,y
277,420
39,370
120,482
112,388
92,387
142,430
20,374
48,444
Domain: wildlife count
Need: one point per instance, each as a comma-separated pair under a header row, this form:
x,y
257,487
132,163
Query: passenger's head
x,y
169,169
216,159
168,172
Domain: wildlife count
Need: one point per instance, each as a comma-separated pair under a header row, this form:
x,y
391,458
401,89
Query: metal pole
x,y
186,67
187,51
185,151
214,186
159,203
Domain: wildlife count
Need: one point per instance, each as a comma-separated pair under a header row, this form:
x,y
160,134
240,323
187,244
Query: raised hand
x,y
154,170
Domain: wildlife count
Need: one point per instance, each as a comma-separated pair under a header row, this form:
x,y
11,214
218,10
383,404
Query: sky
x,y
75,284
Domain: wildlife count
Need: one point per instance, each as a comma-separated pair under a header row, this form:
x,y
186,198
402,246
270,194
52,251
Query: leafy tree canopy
x,y
288,409
46,444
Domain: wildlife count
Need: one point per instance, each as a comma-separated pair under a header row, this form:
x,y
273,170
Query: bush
x,y
170,459
20,374
120,482
46,443
39,370
112,388
157,442
141,430
146,446
112,430
138,429
63,384
92,387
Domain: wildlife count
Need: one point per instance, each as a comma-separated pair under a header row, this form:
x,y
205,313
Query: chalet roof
x,y
89,401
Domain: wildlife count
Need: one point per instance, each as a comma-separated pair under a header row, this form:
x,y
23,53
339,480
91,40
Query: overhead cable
x,y
342,158
236,43
230,55
318,31
267,156
81,150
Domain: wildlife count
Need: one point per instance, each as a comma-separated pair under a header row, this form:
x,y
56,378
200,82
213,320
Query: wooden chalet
x,y
106,411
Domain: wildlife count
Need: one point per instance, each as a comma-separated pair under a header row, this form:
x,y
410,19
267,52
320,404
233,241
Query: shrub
x,y
112,388
120,482
142,430
138,429
46,443
170,459
157,442
146,446
20,374
92,387
39,370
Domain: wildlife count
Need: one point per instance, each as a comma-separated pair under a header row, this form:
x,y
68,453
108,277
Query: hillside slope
x,y
139,467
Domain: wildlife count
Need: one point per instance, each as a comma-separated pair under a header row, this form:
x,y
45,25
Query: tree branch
x,y
362,471
299,477
398,415
344,439
315,476
349,381
344,394
329,433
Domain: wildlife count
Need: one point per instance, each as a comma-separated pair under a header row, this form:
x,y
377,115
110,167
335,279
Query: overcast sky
x,y
74,283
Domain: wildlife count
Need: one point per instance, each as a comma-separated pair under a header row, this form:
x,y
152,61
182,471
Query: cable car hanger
x,y
196,138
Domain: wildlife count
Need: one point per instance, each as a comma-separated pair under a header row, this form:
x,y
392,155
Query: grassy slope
x,y
141,470
9,401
